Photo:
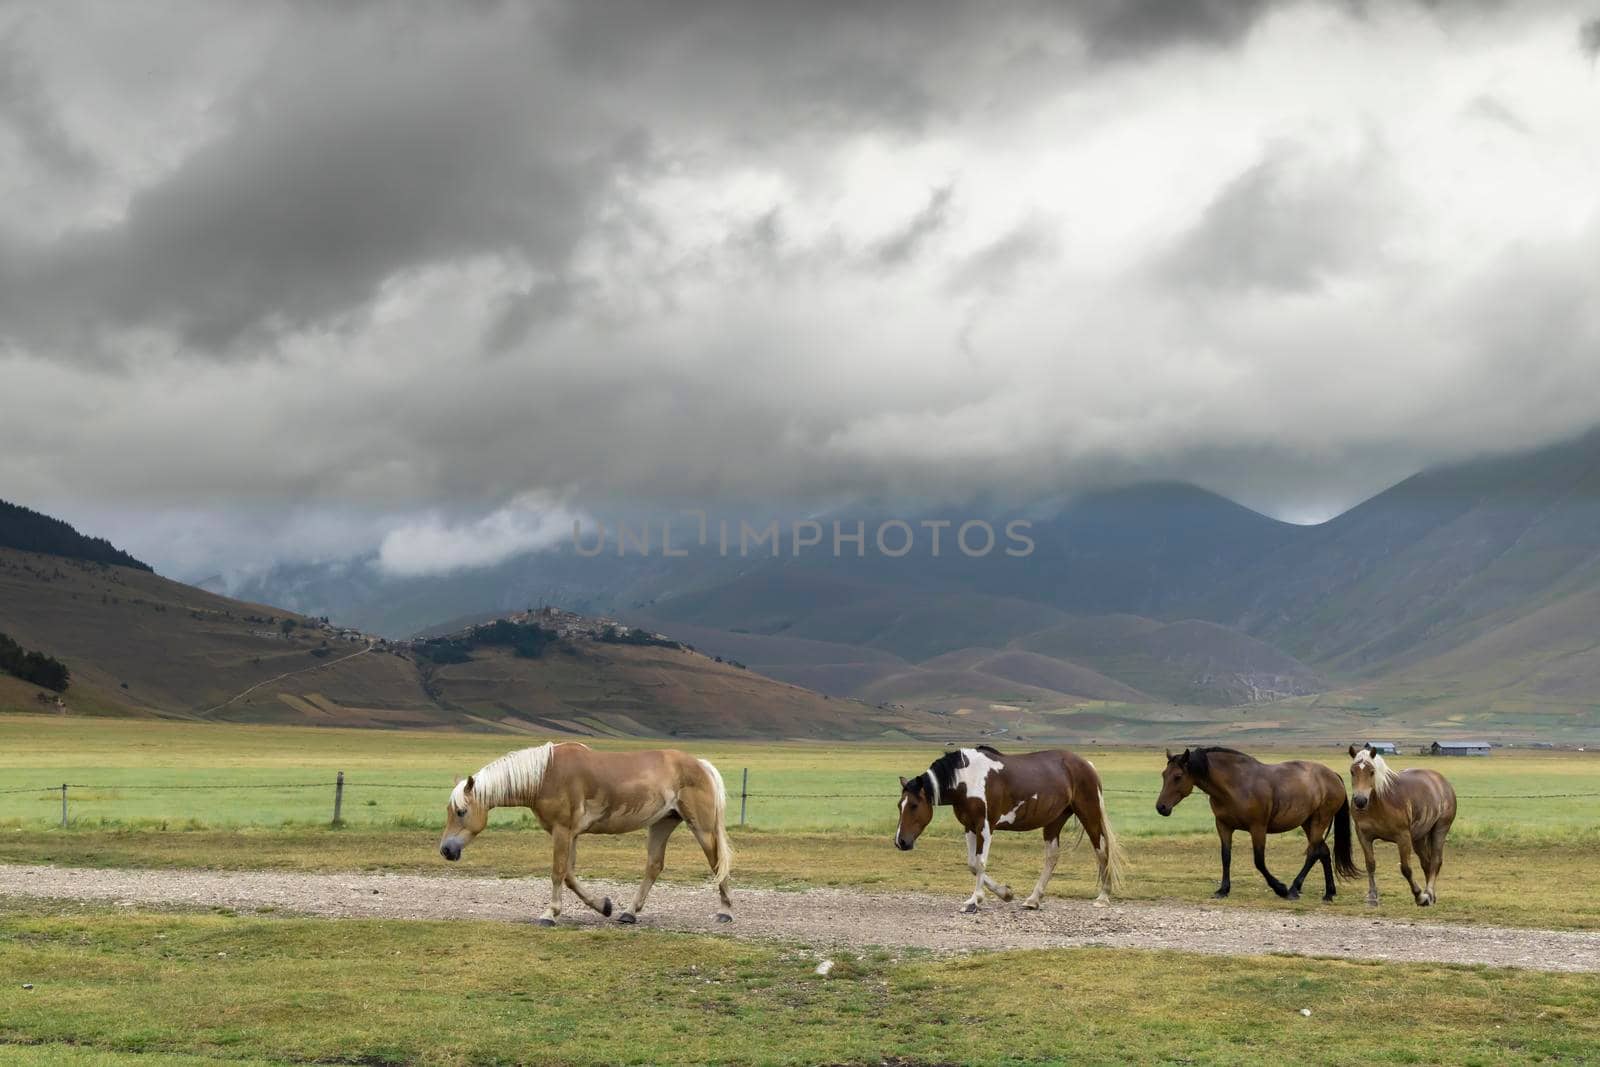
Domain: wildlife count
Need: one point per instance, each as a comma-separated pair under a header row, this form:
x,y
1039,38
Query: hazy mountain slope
x,y
1187,662
1434,562
137,643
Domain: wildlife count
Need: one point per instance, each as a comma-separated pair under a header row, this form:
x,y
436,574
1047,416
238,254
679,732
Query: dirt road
x,y
829,917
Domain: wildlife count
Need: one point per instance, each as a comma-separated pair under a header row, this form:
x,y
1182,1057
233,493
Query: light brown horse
x,y
990,791
1265,798
1412,808
574,790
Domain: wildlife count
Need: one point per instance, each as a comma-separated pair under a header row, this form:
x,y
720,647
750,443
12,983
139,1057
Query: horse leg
x,y
655,860
572,883
708,845
561,852
1316,851
1372,866
1258,845
1052,852
1092,818
1225,833
977,863
1404,845
1430,870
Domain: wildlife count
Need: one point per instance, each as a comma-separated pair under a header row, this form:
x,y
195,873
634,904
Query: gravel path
x,y
828,917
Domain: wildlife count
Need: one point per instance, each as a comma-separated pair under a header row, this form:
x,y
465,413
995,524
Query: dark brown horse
x,y
1265,798
990,791
1413,808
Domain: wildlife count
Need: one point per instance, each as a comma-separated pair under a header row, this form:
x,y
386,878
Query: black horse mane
x,y
1198,763
944,771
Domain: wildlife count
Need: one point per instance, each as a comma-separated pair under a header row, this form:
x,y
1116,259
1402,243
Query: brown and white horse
x,y
574,790
990,791
1265,798
1412,808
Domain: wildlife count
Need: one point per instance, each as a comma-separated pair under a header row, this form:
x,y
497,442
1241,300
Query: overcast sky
x,y
289,280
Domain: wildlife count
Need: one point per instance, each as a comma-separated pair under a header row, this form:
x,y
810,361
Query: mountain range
x,y
1462,598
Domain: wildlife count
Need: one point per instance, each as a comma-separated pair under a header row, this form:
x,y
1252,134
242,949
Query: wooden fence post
x,y
63,805
744,791
338,797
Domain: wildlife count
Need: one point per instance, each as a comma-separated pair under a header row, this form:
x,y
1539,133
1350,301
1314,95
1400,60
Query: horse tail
x,y
724,847
1343,861
1116,859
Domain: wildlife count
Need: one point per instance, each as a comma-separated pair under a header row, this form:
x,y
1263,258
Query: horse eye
x,y
461,813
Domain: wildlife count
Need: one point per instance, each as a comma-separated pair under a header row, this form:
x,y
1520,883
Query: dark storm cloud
x,y
375,141
357,263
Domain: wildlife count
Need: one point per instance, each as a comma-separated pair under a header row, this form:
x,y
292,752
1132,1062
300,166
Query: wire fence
x,y
340,783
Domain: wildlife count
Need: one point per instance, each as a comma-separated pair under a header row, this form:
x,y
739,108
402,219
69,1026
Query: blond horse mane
x,y
1382,774
513,777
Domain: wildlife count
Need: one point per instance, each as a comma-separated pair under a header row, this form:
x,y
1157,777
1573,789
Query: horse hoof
x,y
970,909
546,922
1290,894
1005,893
724,917
605,907
1372,902
1221,894
1327,898
1102,902
627,918
1031,905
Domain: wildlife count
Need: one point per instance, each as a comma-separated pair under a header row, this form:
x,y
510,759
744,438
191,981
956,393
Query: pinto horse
x,y
990,791
574,790
1265,798
1412,808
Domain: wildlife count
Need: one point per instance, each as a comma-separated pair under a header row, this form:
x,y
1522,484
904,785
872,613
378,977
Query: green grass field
x,y
296,991
116,986
278,777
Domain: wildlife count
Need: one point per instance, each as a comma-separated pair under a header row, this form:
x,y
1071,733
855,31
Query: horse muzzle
x,y
450,850
1163,810
902,844
1360,801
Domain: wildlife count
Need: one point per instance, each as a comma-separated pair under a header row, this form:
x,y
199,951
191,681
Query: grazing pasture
x,y
117,985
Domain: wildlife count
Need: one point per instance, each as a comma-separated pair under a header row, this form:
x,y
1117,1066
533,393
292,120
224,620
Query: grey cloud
x,y
436,258
1288,223
1589,39
1492,109
904,245
997,266
31,116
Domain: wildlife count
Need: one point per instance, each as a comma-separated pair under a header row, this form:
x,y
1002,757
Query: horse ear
x,y
468,788
902,782
1371,749
457,781
1169,755
1353,751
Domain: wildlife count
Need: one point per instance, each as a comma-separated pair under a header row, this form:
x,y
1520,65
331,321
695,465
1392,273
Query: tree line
x,y
528,640
35,667
28,531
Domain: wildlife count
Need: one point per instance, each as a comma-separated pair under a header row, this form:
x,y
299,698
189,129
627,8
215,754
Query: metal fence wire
x,y
340,782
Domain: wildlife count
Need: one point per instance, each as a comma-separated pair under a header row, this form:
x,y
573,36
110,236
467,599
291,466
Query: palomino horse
x,y
1413,808
574,790
1265,798
989,792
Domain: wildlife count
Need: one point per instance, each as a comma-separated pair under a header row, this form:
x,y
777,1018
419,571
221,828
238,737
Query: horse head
x,y
1177,780
916,810
464,819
